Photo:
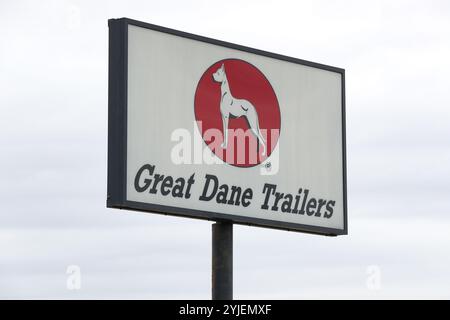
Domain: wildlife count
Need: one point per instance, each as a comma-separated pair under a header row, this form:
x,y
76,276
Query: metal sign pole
x,y
222,261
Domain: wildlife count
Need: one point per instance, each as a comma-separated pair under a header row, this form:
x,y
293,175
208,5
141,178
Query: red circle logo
x,y
237,112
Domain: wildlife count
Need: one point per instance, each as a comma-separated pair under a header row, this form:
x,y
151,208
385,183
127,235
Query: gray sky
x,y
53,75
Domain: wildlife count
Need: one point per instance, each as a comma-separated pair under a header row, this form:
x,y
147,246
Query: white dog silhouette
x,y
236,108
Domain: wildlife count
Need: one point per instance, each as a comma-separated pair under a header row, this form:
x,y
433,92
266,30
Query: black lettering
x,y
305,197
246,197
222,194
311,206
215,181
297,200
320,204
268,189
147,182
158,179
177,191
329,211
189,185
167,183
235,195
278,197
286,206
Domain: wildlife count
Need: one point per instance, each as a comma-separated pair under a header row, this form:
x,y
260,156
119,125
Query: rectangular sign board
x,y
208,129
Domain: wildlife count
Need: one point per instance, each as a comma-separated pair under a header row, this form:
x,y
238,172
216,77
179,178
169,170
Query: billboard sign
x,y
208,129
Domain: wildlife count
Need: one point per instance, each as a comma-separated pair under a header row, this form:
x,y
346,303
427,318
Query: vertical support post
x,y
222,261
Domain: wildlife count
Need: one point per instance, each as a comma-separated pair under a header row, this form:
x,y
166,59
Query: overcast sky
x,y
53,134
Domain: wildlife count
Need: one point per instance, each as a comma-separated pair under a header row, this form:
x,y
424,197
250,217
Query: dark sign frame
x,y
117,132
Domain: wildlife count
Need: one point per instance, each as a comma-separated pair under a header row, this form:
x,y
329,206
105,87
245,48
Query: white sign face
x,y
212,130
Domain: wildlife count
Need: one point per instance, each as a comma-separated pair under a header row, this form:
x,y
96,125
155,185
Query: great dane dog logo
x,y
231,108
237,113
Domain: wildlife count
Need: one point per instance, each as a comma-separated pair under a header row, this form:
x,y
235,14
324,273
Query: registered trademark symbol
x,y
268,165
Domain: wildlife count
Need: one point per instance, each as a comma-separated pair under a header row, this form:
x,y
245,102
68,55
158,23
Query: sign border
x,y
117,132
